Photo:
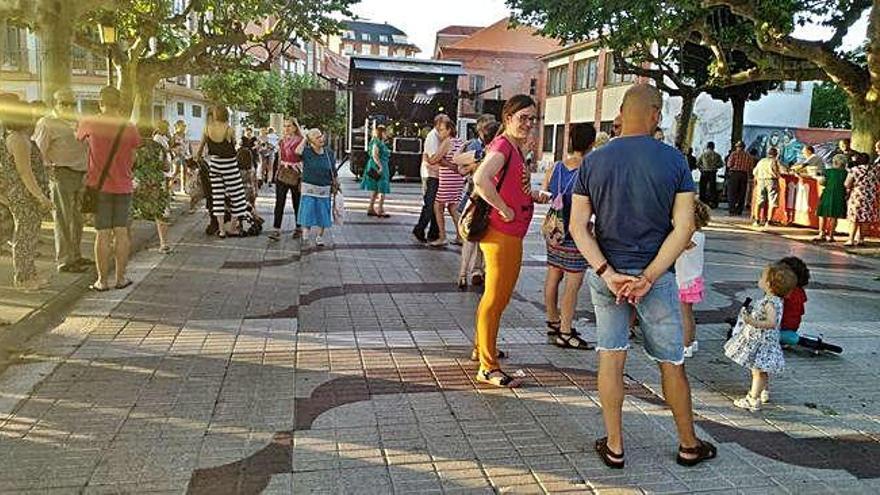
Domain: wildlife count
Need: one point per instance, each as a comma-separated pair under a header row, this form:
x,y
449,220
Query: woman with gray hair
x,y
318,184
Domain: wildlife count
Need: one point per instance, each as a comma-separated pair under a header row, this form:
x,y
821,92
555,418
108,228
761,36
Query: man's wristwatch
x,y
602,268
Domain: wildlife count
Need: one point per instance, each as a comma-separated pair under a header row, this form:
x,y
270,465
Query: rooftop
x,y
502,37
373,28
459,30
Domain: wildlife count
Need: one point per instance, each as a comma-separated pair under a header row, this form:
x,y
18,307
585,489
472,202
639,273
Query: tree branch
x,y
846,74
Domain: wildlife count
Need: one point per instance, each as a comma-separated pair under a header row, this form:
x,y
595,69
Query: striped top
x,y
452,183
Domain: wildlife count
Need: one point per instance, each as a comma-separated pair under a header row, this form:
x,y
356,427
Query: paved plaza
x,y
246,366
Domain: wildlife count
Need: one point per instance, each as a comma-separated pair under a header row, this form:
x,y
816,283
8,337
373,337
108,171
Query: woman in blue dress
x,y
564,260
379,155
318,186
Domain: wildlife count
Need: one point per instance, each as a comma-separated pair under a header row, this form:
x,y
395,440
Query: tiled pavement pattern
x,y
243,366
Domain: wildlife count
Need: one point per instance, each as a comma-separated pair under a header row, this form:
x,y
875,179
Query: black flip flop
x,y
126,283
704,451
606,454
95,288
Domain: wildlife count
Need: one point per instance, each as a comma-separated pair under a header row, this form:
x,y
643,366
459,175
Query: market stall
x,y
797,204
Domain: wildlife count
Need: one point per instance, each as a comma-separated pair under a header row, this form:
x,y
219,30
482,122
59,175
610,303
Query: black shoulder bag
x,y
90,196
474,221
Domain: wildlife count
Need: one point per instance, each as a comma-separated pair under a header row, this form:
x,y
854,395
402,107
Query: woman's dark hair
x,y
490,130
799,268
515,104
582,138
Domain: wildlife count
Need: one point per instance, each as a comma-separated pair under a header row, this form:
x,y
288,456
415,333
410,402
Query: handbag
x,y
288,176
374,174
553,227
90,195
474,222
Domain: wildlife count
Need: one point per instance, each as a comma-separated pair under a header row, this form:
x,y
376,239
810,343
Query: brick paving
x,y
245,366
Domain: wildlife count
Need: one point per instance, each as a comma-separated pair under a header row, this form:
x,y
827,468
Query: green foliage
x,y
830,108
260,94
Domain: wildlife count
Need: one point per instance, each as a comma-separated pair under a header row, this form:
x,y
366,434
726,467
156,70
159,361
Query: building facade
x,y
451,35
581,87
500,61
372,38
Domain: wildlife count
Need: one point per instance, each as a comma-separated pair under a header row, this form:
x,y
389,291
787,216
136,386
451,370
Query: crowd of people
x,y
850,184
648,273
105,170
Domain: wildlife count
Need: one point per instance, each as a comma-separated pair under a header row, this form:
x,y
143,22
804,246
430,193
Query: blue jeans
x,y
659,315
427,219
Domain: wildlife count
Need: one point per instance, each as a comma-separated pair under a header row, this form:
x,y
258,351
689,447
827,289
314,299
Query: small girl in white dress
x,y
755,340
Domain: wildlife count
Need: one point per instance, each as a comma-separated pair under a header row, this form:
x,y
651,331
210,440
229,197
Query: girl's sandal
x,y
611,459
571,341
477,278
462,282
497,378
703,452
475,356
553,331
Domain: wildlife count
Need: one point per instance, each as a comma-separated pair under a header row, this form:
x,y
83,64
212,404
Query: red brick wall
x,y
512,71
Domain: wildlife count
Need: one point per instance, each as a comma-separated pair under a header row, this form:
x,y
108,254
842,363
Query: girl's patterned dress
x,y
756,348
152,199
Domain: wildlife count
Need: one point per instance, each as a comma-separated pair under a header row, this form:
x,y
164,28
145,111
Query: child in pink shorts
x,y
689,275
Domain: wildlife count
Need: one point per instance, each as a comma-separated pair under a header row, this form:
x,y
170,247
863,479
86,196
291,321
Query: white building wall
x,y
713,119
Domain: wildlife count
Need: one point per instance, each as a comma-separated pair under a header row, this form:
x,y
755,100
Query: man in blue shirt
x,y
642,194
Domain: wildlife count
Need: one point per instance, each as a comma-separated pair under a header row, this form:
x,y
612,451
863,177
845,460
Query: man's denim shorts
x,y
659,317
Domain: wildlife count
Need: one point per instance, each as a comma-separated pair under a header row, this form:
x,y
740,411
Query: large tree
x,y
158,41
773,26
673,43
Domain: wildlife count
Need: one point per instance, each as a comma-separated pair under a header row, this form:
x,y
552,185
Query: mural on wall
x,y
791,141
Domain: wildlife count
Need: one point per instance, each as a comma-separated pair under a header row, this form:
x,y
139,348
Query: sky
x,y
421,19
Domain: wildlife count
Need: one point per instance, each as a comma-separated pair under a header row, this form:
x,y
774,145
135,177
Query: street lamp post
x,y
107,33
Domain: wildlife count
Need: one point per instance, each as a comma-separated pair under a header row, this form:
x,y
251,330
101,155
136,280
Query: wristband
x,y
602,268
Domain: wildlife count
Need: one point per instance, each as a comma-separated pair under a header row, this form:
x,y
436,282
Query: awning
x,y
443,68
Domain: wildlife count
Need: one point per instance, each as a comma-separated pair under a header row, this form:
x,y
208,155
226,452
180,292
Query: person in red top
x,y
289,158
793,306
505,183
114,196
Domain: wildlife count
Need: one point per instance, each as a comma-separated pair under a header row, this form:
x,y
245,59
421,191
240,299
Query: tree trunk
x,y
684,120
865,124
56,34
142,111
739,111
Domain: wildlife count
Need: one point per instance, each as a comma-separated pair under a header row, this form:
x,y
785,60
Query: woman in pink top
x,y
505,183
291,138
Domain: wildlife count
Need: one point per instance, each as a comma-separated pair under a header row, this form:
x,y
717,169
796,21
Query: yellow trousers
x,y
503,255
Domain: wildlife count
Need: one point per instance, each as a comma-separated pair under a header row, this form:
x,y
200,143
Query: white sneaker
x,y
695,346
765,396
688,351
319,241
748,403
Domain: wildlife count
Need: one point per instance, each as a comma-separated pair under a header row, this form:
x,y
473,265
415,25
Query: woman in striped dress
x,y
226,183
451,186
564,259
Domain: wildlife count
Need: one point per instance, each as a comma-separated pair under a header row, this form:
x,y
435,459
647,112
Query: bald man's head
x,y
640,110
